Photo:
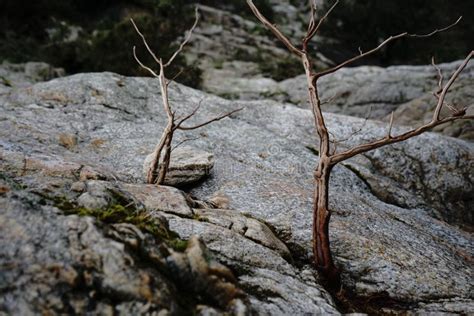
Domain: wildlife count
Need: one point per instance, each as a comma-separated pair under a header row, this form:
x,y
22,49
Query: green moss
x,y
178,244
199,218
12,183
119,214
219,64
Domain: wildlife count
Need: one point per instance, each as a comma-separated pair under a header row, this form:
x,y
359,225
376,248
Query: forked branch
x,y
158,165
215,119
313,27
285,40
435,121
379,47
327,160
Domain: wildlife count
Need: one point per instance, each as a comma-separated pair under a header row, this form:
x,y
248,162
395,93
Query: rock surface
x,y
23,75
57,264
187,166
239,58
366,91
398,248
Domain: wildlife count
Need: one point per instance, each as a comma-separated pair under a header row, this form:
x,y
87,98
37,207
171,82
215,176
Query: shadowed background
x,y
83,36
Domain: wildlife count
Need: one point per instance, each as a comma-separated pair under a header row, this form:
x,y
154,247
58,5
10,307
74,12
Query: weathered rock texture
x,y
394,230
233,50
22,75
187,166
366,91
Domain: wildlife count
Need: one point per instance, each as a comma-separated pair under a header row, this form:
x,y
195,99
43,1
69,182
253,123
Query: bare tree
x,y
327,159
159,165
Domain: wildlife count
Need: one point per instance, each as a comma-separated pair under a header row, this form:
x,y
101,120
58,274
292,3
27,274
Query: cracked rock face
x,y
404,246
57,264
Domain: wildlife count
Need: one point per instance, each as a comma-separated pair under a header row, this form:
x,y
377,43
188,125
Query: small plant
x,y
159,165
329,157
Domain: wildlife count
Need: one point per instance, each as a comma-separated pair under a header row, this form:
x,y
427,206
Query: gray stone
x,y
264,156
246,226
376,92
160,198
273,285
187,166
365,91
24,75
57,264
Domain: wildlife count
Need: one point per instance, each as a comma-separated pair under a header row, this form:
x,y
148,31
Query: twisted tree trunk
x,y
321,217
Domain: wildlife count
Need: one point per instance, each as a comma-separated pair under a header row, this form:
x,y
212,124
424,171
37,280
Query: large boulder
x,y
397,211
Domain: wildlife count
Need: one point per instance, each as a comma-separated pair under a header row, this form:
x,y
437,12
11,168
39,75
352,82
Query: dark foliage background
x,y
364,23
35,31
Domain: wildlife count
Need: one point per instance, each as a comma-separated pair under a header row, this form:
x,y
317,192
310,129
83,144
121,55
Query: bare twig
x,y
218,118
440,77
357,131
313,29
142,65
435,121
274,29
186,39
182,142
150,51
448,85
331,99
161,156
327,160
380,46
174,77
390,127
437,30
187,117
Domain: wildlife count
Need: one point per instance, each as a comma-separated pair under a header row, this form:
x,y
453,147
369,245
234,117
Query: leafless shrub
x,y
327,159
159,165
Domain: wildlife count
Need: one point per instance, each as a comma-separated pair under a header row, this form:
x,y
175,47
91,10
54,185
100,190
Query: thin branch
x,y
218,118
360,56
448,85
187,117
142,65
174,77
145,42
440,77
437,30
390,127
311,33
339,141
182,142
274,29
330,100
186,40
380,46
435,121
395,139
312,21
